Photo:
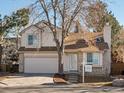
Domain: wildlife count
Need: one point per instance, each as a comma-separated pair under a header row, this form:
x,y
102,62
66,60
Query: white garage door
x,y
41,65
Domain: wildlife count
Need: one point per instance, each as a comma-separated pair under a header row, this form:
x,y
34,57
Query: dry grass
x,y
100,84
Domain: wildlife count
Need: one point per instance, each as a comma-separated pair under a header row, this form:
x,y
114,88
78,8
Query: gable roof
x,y
88,36
80,41
36,25
82,45
85,41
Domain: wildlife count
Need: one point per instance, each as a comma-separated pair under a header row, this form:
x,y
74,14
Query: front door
x,y
72,62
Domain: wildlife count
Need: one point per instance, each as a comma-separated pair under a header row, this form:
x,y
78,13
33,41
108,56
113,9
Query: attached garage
x,y
45,64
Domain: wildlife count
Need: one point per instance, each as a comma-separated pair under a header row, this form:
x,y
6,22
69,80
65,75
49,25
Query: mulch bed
x,y
59,79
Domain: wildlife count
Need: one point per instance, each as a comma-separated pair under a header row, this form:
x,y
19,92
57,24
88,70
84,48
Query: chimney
x,y
107,34
77,27
107,53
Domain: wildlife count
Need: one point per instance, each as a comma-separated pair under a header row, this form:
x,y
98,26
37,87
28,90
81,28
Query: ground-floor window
x,y
93,58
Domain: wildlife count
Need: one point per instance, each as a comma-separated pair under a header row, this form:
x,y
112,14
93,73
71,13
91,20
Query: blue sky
x,y
117,7
8,6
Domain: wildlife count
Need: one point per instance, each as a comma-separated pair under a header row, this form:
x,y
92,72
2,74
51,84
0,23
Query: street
x,y
26,83
60,89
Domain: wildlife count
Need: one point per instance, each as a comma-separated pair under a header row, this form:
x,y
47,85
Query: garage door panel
x,y
41,65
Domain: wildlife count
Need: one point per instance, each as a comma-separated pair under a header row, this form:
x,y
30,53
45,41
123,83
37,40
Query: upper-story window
x,y
99,39
30,39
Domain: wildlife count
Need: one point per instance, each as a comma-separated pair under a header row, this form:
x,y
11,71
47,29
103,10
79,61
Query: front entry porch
x,y
73,65
71,68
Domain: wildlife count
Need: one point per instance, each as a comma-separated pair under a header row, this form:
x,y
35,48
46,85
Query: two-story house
x,y
38,51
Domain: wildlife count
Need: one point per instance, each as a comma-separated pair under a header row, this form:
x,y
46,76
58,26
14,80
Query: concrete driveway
x,y
26,80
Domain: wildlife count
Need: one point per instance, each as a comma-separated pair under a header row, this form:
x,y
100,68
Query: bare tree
x,y
60,13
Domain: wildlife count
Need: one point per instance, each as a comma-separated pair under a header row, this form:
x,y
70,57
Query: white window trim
x,y
100,62
34,45
28,40
70,64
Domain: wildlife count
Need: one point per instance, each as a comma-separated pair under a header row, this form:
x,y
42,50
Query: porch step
x,y
73,77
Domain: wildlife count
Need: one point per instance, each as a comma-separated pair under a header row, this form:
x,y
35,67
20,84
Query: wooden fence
x,y
117,68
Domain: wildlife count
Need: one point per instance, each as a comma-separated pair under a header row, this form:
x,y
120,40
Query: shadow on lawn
x,y
3,83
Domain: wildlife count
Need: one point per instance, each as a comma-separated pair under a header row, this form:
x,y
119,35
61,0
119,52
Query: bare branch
x,y
42,2
60,13
74,14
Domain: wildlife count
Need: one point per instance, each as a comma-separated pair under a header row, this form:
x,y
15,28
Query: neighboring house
x,y
38,51
9,40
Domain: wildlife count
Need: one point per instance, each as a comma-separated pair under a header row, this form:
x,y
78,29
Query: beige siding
x,y
66,63
44,38
96,71
80,60
47,39
40,54
30,31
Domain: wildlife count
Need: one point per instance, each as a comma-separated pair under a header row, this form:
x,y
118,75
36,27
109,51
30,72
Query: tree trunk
x,y
60,64
0,56
0,53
